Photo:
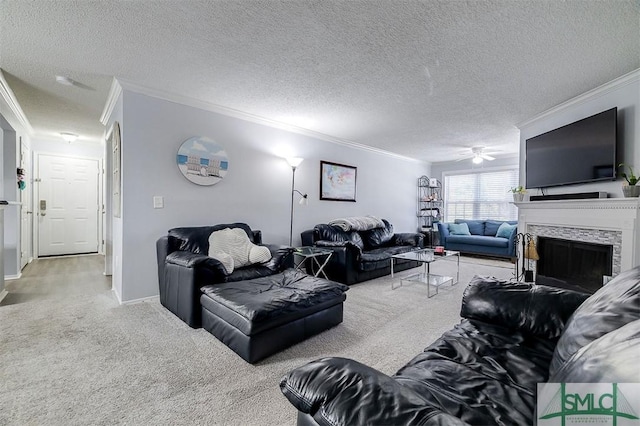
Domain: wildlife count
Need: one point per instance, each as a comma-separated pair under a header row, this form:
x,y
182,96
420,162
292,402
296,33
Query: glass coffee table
x,y
427,257
313,254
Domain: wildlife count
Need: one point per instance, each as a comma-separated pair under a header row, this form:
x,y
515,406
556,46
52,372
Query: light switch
x,y
158,202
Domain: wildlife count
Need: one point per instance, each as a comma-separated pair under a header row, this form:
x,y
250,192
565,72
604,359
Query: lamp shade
x,y
294,161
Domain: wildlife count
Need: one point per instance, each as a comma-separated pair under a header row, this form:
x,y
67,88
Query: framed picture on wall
x,y
202,161
337,182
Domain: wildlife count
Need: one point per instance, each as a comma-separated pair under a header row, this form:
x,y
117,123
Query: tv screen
x,y
584,151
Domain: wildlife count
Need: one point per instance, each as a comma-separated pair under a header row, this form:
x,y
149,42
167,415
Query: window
x,y
481,195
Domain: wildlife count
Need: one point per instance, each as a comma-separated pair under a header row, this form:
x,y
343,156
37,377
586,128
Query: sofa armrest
x,y
443,230
281,257
339,391
511,247
187,259
182,275
408,239
532,309
341,249
308,237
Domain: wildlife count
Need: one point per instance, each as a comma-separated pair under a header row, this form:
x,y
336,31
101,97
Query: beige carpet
x,y
83,359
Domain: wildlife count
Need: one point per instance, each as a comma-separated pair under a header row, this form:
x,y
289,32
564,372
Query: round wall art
x,y
202,161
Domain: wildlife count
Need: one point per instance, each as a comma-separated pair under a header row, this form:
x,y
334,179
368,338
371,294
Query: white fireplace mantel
x,y
605,214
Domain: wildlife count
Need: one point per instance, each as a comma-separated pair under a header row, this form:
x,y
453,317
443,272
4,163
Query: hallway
x,y
58,277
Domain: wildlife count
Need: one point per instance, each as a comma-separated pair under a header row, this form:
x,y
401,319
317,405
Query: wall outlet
x,y
158,202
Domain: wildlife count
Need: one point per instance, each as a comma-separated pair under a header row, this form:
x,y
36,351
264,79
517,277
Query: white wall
x,y
2,290
78,148
438,169
113,225
11,213
623,93
256,189
13,131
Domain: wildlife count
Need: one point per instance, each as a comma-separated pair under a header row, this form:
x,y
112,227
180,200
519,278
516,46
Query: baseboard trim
x,y
3,294
12,277
116,295
141,300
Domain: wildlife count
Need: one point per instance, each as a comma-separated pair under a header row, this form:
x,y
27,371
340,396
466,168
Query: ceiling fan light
x,y
477,159
65,81
69,137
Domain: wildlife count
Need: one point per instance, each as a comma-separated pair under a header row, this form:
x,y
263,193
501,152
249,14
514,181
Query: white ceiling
x,y
423,79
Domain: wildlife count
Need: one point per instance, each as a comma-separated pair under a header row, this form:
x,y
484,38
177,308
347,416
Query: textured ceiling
x,y
423,79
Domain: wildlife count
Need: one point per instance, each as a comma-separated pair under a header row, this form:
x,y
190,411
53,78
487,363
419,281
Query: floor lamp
x,y
294,162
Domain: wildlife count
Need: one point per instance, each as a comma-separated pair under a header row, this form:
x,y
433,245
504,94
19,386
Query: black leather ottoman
x,y
259,317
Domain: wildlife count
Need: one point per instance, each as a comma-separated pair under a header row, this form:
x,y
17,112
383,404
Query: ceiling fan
x,y
477,155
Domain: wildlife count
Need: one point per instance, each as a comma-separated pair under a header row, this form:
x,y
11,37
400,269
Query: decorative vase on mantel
x,y
630,190
518,197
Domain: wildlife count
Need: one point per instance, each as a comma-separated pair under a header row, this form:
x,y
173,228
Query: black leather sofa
x,y
362,255
184,267
486,369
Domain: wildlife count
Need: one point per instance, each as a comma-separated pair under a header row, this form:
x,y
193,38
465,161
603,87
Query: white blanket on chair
x,y
357,223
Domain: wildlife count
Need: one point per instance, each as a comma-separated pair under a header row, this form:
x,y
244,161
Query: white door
x,y
26,212
67,205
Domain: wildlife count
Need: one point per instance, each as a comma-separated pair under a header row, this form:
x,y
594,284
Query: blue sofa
x,y
482,238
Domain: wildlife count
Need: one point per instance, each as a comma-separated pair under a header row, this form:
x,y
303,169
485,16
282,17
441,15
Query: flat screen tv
x,y
584,151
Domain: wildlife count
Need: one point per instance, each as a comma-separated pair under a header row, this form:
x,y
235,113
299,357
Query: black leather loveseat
x,y
184,267
362,255
486,369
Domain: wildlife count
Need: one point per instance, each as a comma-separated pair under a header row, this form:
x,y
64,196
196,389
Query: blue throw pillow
x,y
476,227
459,229
505,230
491,227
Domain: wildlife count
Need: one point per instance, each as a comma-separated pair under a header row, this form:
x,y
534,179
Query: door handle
x,y
43,207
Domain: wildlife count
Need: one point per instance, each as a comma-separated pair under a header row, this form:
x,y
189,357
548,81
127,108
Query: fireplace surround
x,y
608,221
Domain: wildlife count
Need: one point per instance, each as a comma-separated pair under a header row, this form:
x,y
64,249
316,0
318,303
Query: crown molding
x,y
230,112
9,97
619,82
112,98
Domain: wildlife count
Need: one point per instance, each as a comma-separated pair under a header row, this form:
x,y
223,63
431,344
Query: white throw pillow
x,y
259,254
225,259
236,243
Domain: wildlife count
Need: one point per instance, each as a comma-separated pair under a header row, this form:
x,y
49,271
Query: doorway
x,y
66,205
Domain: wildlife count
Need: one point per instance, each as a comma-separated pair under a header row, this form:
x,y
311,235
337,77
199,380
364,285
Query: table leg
x,y
321,267
427,266
392,287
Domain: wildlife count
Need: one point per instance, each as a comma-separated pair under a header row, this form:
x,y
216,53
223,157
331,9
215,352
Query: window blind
x,y
480,195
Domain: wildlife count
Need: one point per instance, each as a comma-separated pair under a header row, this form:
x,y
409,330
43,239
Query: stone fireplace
x,y
610,222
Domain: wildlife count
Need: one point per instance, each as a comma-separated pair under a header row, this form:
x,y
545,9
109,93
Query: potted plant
x,y
630,189
518,193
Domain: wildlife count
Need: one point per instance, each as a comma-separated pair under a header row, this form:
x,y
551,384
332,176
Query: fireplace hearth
x,y
576,265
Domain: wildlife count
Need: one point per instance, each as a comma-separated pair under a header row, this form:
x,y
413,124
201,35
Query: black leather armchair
x,y
362,255
184,267
486,369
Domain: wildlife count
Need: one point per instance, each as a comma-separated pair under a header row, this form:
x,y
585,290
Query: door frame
x,y
36,195
26,206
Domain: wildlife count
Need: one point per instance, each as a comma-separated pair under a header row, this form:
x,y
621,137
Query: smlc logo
x,y
588,404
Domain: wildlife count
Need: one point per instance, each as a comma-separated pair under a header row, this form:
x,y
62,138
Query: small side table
x,y
314,254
